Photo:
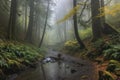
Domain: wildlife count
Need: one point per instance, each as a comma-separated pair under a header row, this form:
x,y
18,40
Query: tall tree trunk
x,y
40,44
30,25
103,11
76,27
103,17
26,16
12,20
96,21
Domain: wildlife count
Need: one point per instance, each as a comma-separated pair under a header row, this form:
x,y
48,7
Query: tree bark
x,y
96,21
30,25
12,20
102,11
76,27
26,6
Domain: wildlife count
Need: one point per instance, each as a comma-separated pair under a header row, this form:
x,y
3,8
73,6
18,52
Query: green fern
x,y
15,56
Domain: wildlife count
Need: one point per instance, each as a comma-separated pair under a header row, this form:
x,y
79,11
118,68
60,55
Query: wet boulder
x,y
49,59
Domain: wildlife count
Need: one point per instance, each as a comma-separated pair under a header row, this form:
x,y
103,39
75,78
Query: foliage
x,y
108,75
99,46
115,39
85,33
70,14
72,45
112,10
114,62
112,14
113,52
114,67
16,56
98,43
105,75
108,47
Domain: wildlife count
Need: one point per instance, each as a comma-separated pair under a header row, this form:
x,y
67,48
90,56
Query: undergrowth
x,y
107,48
85,33
71,46
15,57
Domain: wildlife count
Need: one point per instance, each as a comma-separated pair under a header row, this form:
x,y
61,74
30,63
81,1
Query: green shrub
x,y
15,56
72,45
85,33
115,39
114,67
98,43
113,52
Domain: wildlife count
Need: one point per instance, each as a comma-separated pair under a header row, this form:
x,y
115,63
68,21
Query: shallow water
x,y
68,69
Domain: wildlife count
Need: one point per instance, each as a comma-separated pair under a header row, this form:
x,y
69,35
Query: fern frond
x,y
115,62
109,74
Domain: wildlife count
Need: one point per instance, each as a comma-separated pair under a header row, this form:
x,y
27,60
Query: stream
x,y
69,68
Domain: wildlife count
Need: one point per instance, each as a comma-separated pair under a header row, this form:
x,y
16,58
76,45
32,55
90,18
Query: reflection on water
x,y
48,71
53,68
51,71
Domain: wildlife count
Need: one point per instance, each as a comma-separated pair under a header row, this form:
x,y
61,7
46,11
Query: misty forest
x,y
59,39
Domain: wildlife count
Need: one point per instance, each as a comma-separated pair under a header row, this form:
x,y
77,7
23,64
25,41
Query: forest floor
x,y
100,53
80,65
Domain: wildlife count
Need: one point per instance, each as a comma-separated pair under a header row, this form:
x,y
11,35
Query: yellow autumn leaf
x,y
110,10
70,14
